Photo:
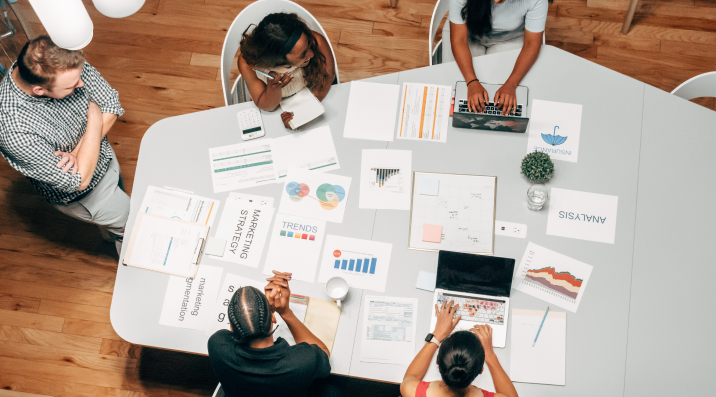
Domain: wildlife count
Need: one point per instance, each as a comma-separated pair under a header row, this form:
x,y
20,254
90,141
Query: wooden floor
x,y
56,274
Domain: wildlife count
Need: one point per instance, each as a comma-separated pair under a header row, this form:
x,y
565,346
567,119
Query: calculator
x,y
250,124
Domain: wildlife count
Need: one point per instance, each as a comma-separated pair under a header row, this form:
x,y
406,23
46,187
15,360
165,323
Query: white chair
x,y
436,54
254,13
703,85
219,392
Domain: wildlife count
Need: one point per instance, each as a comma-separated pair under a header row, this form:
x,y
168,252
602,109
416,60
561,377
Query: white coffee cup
x,y
337,289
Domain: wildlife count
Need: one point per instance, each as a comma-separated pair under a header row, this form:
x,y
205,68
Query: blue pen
x,y
540,326
262,73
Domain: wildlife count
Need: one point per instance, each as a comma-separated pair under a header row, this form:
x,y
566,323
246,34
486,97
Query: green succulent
x,y
537,167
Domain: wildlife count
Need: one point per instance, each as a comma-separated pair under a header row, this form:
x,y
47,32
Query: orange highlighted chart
x,y
424,112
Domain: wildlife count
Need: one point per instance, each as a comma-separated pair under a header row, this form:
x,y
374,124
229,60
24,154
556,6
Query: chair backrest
x,y
441,8
254,13
697,87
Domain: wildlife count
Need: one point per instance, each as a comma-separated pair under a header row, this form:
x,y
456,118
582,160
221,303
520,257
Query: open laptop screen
x,y
476,274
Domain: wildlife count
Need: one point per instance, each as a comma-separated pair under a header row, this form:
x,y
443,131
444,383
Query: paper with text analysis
x,y
219,318
315,195
385,179
165,245
545,361
179,205
244,224
372,110
424,112
312,150
243,165
304,106
188,303
363,264
295,246
552,277
554,129
582,215
388,330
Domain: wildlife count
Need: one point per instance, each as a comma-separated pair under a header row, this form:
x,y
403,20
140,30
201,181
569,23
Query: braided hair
x,y
460,360
249,315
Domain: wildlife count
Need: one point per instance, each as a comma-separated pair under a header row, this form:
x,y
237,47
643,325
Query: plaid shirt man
x,y
32,129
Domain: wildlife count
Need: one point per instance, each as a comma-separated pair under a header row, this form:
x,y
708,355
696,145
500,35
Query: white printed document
x,y
189,303
545,361
295,246
219,318
315,195
424,112
372,110
582,215
244,225
554,129
304,106
312,150
552,277
363,264
179,205
242,165
385,179
388,330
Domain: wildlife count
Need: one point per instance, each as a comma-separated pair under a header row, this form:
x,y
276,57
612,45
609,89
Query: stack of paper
x,y
176,204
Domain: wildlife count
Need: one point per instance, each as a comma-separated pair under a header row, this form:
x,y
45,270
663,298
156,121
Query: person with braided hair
x,y
248,362
461,357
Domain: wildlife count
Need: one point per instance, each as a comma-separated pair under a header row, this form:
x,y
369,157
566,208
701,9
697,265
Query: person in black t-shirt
x,y
246,359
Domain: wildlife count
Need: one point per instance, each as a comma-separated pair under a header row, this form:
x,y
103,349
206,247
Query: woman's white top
x,y
509,19
291,88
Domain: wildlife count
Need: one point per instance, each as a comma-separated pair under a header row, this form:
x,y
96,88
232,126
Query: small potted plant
x,y
538,168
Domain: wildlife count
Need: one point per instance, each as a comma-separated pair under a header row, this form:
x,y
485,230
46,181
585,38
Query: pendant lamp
x,y
118,8
66,21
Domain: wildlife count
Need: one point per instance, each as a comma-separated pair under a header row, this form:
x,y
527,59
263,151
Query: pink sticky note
x,y
432,233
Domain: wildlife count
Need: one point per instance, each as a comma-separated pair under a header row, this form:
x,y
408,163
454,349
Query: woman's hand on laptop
x,y
507,98
484,334
446,319
477,97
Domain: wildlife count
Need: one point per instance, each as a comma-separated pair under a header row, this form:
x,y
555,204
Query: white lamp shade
x,y
118,8
66,21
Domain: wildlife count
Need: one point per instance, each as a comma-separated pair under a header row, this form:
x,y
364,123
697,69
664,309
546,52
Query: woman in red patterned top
x,y
460,360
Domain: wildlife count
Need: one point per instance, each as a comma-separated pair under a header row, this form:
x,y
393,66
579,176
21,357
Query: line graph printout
x,y
552,277
424,112
240,166
464,207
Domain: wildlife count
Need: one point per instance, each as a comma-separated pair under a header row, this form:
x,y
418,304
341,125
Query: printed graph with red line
x,y
327,195
563,283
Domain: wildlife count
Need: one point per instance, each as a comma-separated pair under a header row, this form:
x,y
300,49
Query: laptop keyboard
x,y
489,109
486,311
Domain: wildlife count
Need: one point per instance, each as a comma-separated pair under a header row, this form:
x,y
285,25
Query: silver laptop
x,y
491,119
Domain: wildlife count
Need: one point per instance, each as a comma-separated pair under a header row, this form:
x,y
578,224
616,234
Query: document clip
x,y
197,251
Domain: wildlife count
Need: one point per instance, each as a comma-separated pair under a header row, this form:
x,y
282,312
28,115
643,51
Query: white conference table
x,y
627,332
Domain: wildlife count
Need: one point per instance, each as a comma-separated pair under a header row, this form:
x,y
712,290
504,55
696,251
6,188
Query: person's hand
x,y
67,162
477,97
277,292
446,319
506,98
279,80
484,334
286,117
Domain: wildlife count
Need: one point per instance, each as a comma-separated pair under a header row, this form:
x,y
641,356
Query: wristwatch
x,y
432,338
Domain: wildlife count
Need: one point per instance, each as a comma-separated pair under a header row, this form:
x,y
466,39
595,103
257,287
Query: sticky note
x,y
426,281
432,233
429,186
214,246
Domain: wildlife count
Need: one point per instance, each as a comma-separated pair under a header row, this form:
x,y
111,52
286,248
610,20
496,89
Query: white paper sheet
x,y
385,179
372,110
552,277
299,309
179,205
244,225
582,215
363,264
295,246
424,112
242,165
545,361
315,195
388,330
312,150
483,381
189,303
554,129
219,319
304,106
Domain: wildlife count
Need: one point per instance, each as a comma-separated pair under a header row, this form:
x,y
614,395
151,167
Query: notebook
x,y
305,107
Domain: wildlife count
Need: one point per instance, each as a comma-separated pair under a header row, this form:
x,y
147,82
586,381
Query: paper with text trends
x,y
385,179
554,129
295,246
363,264
388,330
242,165
424,112
312,150
179,205
582,215
244,225
189,303
219,319
372,110
552,277
315,195
544,362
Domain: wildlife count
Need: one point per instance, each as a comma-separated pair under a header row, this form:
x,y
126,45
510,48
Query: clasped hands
x,y
278,293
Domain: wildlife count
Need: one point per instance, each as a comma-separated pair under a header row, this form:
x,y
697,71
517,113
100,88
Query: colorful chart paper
x,y
362,263
315,195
